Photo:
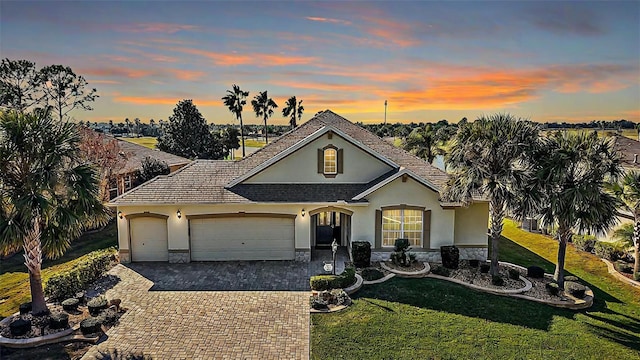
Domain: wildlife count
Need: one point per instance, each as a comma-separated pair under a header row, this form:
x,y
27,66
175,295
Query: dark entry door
x,y
327,228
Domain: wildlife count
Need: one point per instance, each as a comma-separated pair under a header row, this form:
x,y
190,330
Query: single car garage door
x,y
149,240
242,238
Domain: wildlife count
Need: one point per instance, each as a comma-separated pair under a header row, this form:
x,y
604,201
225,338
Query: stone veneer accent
x,y
125,256
474,253
466,253
179,256
303,255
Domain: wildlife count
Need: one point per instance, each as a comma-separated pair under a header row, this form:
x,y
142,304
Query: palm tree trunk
x,y
563,237
636,246
242,134
266,139
497,217
33,261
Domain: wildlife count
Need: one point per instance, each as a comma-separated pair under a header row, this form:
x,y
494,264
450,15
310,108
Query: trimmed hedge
x,y
96,305
484,268
59,320
553,288
497,280
328,282
575,289
371,274
361,252
90,325
66,284
70,304
441,270
607,250
584,242
450,256
514,274
535,272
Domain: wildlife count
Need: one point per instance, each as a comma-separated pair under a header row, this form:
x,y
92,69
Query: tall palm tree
x,y
47,197
294,109
235,100
488,159
571,171
628,191
263,106
128,122
424,143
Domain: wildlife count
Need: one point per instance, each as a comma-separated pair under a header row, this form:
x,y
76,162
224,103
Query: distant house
x,y
125,179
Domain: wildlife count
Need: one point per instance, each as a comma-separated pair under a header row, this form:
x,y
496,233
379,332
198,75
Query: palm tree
x,y
263,106
128,122
48,198
488,160
628,191
235,100
424,143
136,122
571,170
294,109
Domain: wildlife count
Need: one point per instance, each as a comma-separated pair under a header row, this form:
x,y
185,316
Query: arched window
x,y
330,161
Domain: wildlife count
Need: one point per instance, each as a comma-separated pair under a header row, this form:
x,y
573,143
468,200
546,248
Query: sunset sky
x,y
548,61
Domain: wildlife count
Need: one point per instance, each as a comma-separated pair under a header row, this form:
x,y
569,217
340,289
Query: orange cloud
x,y
118,72
147,100
257,59
156,28
186,75
328,20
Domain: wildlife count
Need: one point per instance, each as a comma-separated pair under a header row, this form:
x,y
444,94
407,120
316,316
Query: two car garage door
x,y
217,239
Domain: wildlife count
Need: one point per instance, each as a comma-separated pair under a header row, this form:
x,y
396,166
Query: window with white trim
x,y
401,224
330,161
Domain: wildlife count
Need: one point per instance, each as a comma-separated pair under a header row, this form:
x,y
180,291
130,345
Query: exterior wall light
x,y
302,212
179,214
120,215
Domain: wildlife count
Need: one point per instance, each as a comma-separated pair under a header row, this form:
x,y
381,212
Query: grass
x,y
14,278
433,319
147,141
253,143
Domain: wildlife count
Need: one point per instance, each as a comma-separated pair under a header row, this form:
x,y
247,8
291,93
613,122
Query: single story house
x,y
124,178
326,179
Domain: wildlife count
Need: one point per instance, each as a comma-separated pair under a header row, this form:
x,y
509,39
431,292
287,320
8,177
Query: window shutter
x,y
320,161
378,236
426,229
340,161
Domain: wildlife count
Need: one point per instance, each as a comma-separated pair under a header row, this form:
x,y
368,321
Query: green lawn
x,y
147,141
433,319
253,143
14,279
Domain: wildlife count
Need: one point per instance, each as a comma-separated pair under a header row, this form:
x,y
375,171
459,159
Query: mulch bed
x,y
414,267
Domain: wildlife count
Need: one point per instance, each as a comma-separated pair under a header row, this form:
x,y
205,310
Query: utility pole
x,y
385,112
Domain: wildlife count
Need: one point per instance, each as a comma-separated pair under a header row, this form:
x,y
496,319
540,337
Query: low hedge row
x,y
609,251
328,282
66,284
584,242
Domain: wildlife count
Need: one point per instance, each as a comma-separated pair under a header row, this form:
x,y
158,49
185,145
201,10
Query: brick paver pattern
x,y
178,324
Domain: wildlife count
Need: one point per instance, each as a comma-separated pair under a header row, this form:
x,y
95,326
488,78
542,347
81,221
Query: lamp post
x,y
334,250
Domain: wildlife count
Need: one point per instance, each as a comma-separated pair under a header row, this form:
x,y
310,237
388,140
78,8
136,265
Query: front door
x,y
327,228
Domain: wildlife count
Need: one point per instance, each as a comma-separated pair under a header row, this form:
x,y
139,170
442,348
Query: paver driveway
x,y
179,311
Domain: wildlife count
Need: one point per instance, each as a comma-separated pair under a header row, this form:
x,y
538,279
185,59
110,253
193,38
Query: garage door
x,y
245,238
149,239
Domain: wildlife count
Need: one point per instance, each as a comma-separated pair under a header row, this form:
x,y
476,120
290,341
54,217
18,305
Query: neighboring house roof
x,y
136,153
209,182
629,150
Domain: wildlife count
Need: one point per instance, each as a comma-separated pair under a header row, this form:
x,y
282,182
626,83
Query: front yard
x,y
433,319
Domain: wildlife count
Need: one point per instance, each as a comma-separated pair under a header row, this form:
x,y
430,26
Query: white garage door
x,y
149,239
244,238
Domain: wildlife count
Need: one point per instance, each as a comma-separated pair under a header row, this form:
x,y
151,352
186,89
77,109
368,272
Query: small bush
x,y
318,303
361,252
636,276
328,282
623,267
575,289
553,288
450,256
514,274
347,278
70,304
400,255
20,327
441,270
571,278
484,268
474,263
25,308
371,274
108,317
607,250
497,280
66,284
584,242
90,325
340,297
535,272
58,320
96,305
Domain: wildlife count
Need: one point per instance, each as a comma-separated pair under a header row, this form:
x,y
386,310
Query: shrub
x,y
607,250
66,284
361,252
535,272
96,305
636,276
441,270
450,256
58,320
497,280
571,278
400,255
347,278
474,263
575,289
553,288
20,327
90,325
70,304
318,303
108,317
484,268
514,274
584,242
340,297
371,274
321,282
328,282
25,308
623,267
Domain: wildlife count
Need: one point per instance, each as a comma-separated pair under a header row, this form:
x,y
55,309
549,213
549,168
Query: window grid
x,y
330,161
401,224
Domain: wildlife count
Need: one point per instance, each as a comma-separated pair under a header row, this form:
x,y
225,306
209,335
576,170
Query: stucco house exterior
x,y
327,179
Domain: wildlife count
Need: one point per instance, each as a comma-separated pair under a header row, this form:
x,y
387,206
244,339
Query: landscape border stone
x,y
355,287
617,275
379,281
408,274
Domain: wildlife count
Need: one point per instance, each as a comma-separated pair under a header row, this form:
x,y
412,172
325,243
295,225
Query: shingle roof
x,y
629,150
204,181
136,153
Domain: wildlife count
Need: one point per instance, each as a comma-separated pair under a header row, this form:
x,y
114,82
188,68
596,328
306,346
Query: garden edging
x,y
407,274
379,281
619,276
